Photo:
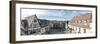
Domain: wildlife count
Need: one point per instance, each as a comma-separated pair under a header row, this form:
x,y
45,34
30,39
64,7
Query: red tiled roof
x,y
83,17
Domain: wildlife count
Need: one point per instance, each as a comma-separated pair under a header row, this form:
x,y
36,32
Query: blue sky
x,y
53,14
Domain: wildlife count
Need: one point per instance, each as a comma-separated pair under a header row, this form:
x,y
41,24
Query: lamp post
x,y
67,26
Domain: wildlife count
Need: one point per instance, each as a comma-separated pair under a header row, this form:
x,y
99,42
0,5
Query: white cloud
x,y
39,13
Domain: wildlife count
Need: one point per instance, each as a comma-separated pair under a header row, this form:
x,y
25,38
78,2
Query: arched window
x,y
35,20
79,30
84,30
